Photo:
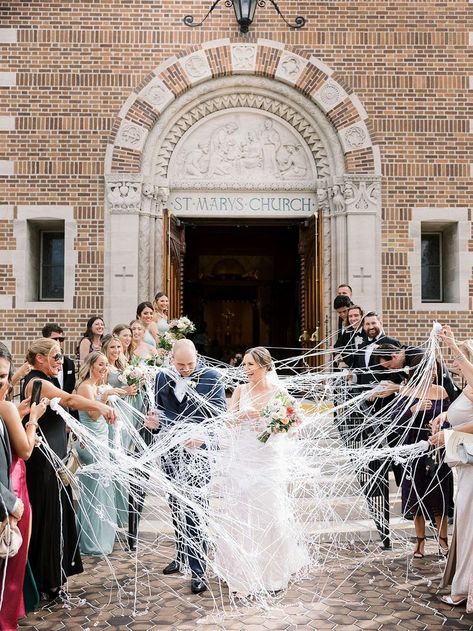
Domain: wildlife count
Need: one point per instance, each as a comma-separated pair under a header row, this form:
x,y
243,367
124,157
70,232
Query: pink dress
x,y
13,606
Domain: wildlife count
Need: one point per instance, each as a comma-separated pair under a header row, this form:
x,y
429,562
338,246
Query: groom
x,y
188,393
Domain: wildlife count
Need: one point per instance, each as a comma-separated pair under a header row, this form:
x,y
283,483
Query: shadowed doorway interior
x,y
241,286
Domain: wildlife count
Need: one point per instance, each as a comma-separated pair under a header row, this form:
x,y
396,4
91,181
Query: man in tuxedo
x,y
341,304
369,370
66,378
356,337
189,393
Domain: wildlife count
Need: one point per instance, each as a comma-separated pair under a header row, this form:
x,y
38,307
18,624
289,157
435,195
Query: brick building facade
x,y
363,113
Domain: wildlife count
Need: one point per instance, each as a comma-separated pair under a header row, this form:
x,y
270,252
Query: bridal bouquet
x,y
181,328
281,415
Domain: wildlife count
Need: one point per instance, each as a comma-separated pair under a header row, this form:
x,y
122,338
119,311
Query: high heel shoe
x,y
417,553
443,549
448,600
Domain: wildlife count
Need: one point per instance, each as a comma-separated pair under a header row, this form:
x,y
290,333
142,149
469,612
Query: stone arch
x,y
268,76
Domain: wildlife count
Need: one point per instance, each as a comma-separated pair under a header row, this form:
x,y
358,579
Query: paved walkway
x,y
385,592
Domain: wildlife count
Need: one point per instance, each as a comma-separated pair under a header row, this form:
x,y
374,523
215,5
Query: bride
x,y
257,546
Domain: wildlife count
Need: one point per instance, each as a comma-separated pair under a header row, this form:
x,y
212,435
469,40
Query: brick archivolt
x,y
160,96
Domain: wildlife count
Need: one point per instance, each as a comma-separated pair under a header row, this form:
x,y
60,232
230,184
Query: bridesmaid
x,y
53,553
124,334
139,348
145,313
97,514
92,338
22,442
161,307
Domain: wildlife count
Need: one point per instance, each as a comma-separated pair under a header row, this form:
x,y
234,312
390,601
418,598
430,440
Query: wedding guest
x,y
161,307
145,314
15,443
425,487
92,338
139,348
124,334
356,337
459,569
97,512
22,441
54,553
66,379
341,304
345,290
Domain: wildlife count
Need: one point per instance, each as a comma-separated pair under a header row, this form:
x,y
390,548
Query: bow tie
x,y
181,384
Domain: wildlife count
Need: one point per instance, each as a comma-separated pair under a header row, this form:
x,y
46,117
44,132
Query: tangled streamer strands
x,y
328,480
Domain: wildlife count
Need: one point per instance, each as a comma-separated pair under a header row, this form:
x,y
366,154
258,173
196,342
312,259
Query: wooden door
x,y
311,290
174,248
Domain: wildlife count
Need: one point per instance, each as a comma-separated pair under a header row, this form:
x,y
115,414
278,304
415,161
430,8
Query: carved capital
x,y
123,193
361,193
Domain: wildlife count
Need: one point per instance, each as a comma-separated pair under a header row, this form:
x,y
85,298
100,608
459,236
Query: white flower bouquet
x,y
281,414
181,328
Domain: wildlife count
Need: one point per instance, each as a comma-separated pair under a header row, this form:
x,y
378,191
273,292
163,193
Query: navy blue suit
x,y
207,384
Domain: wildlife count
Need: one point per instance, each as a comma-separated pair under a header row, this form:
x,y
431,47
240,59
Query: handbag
x,y
458,448
10,539
69,467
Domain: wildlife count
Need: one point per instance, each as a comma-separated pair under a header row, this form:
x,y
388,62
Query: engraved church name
x,y
241,203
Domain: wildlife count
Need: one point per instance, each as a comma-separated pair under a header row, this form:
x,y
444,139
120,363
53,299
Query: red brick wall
x,y
77,62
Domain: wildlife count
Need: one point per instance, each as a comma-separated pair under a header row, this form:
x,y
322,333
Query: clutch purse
x,y
458,448
10,539
69,467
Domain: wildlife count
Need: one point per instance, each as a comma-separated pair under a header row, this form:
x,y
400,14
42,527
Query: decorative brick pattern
x,y
68,69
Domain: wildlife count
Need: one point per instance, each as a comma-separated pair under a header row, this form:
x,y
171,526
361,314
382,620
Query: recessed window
x,y
431,249
439,262
45,276
51,281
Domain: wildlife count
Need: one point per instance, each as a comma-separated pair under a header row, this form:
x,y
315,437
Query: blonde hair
x,y
262,357
86,366
107,340
41,346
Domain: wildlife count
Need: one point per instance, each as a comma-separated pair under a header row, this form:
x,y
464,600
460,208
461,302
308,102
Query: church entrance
x,y
242,284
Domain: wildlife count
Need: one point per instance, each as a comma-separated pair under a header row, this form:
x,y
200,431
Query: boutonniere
x,y
358,340
193,384
406,370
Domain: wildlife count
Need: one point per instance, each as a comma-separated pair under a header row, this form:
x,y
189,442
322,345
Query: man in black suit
x,y
189,393
66,378
341,304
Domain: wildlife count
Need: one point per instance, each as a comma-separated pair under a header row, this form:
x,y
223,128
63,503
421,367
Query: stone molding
x,y
310,76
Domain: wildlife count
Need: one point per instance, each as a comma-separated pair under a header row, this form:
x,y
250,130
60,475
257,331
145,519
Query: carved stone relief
x,y
157,95
243,57
131,136
196,67
290,67
362,194
123,193
355,137
241,146
329,95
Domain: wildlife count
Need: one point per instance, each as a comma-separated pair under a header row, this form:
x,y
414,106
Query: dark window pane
x,y
431,263
52,266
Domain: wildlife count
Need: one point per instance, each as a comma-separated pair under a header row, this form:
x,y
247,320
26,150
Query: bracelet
x,y
35,423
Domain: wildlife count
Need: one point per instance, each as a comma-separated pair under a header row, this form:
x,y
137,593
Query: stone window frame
x,y
22,258
441,218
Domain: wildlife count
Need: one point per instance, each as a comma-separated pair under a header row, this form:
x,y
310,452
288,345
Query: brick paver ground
x,y
386,592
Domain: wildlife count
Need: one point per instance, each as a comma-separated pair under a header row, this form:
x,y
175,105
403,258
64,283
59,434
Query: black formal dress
x,y
54,547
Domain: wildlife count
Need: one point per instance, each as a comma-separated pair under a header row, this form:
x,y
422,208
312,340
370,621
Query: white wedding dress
x,y
257,543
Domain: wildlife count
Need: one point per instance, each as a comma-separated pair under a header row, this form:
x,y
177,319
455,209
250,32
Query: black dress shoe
x,y
172,568
197,585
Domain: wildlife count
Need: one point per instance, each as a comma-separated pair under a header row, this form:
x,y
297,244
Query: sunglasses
x,y
58,339
58,357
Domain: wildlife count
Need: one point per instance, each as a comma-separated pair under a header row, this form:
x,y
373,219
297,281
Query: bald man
x,y
190,392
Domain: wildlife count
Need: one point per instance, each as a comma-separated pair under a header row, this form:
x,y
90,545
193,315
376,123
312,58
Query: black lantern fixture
x,y
245,13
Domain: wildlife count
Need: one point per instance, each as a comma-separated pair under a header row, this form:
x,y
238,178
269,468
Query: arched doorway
x,y
198,151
